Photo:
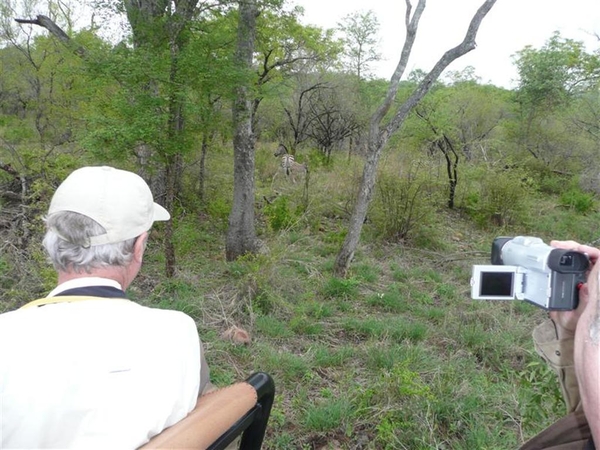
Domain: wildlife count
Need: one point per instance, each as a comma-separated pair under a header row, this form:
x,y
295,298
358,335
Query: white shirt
x,y
94,374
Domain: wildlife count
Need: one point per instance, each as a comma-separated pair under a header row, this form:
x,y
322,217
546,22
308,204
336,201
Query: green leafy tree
x,y
143,119
40,116
551,76
42,97
554,83
360,31
209,69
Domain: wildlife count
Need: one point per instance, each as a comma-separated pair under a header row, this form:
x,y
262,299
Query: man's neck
x,y
109,273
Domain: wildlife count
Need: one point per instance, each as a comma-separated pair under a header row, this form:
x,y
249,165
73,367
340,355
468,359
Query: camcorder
x,y
524,268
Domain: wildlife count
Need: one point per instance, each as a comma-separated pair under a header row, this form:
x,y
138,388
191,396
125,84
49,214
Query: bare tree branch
x,y
378,139
55,30
412,25
450,56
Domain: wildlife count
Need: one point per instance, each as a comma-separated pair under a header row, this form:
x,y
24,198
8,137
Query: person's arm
x,y
555,345
205,385
554,338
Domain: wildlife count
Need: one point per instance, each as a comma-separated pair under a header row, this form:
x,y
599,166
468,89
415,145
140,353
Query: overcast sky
x,y
507,28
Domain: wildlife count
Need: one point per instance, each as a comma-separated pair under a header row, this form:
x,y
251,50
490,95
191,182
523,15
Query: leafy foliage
x,y
278,214
579,201
360,38
405,206
551,75
500,199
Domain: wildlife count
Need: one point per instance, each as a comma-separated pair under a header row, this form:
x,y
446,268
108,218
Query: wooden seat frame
x,y
241,409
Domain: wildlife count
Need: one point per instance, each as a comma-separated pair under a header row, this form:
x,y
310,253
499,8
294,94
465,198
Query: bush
x,y
278,214
319,159
547,180
218,209
577,200
404,208
500,199
589,180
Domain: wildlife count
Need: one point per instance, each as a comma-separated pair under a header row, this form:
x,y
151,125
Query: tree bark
x,y
241,234
202,170
452,159
379,138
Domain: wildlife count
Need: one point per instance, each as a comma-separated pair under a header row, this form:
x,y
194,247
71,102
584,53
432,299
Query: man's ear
x,y
140,246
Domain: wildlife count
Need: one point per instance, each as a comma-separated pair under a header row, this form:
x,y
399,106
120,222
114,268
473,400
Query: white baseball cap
x,y
118,200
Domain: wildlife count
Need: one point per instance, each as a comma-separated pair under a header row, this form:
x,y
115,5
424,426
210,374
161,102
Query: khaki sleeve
x,y
555,345
205,385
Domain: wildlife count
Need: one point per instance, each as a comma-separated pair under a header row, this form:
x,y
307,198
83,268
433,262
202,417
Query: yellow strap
x,y
64,299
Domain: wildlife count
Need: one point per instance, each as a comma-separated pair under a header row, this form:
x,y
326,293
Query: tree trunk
x,y
173,161
241,234
452,169
169,202
452,159
202,169
378,139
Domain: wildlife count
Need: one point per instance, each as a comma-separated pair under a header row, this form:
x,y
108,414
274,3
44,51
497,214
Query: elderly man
x,y
570,343
85,367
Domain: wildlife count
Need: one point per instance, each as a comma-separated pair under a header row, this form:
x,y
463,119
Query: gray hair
x,y
67,244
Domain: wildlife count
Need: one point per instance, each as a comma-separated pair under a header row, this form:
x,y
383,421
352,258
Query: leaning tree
x,y
379,136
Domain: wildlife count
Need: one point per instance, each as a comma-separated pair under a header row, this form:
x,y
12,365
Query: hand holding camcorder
x,y
524,268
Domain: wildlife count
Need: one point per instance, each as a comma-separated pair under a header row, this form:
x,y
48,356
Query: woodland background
x,y
388,353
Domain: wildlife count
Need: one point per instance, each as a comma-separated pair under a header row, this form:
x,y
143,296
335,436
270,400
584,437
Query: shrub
x,y
6,277
189,235
589,180
577,200
405,207
319,159
219,208
278,214
547,180
500,199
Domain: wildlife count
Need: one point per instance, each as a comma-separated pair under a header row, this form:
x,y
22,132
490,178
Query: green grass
x,y
328,414
396,356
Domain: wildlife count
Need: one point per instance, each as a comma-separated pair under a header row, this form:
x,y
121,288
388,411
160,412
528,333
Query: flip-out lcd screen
x,y
497,284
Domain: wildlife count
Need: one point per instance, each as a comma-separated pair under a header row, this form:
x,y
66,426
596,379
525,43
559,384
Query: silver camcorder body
x,y
524,268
